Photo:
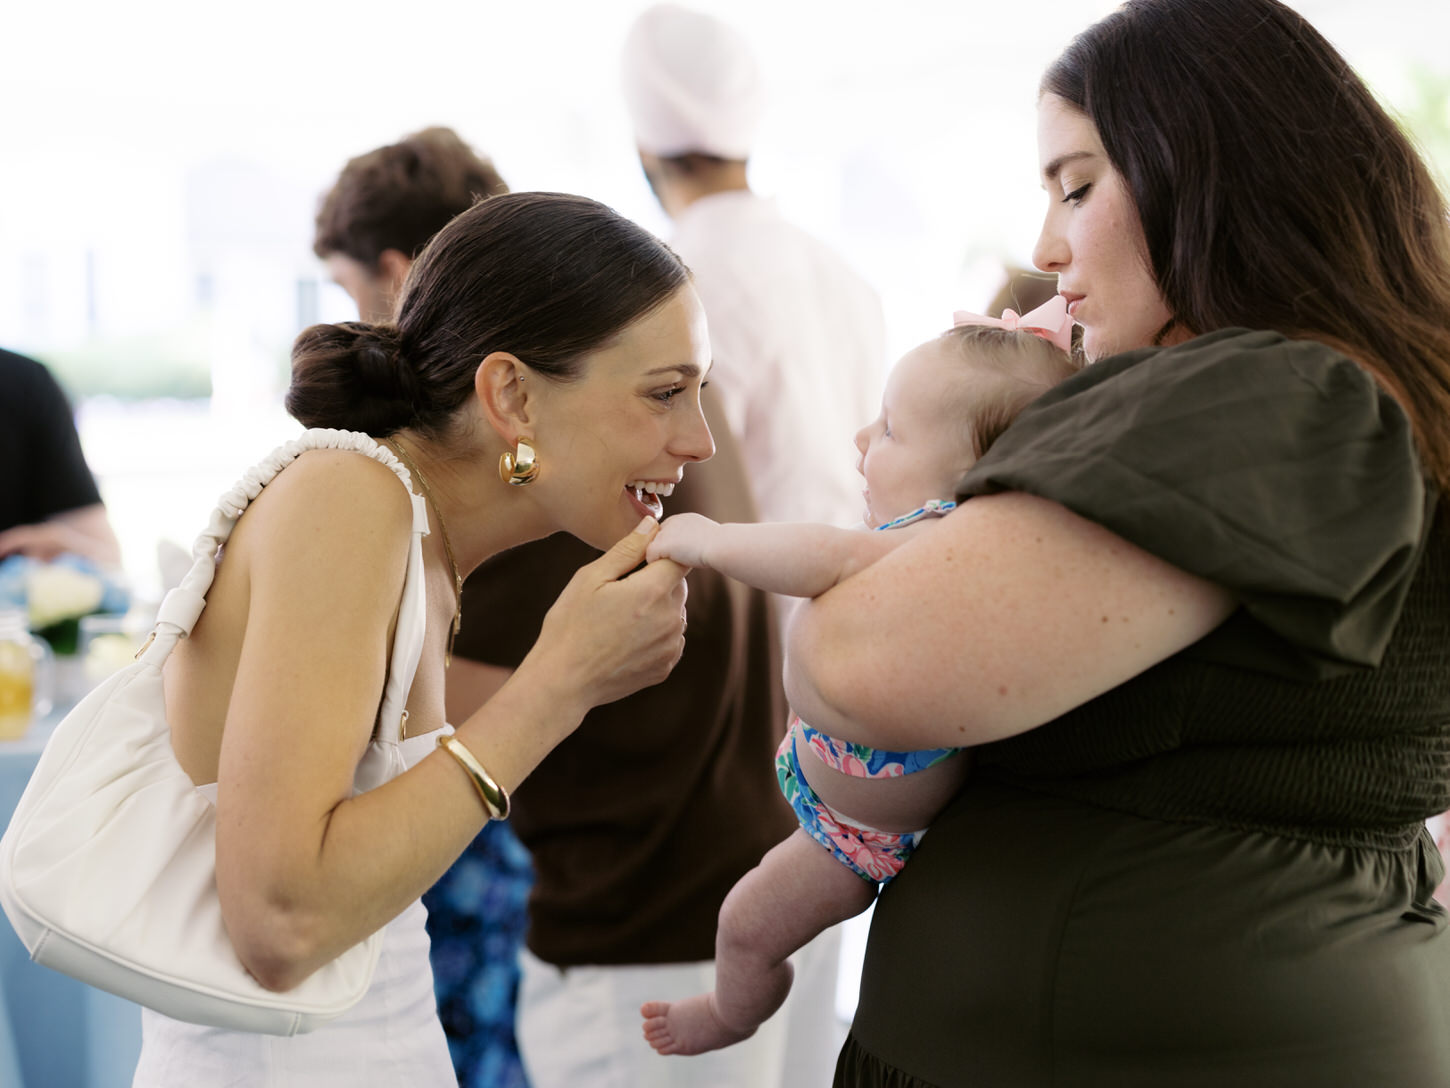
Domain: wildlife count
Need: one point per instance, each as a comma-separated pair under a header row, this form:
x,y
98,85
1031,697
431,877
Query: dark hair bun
x,y
352,376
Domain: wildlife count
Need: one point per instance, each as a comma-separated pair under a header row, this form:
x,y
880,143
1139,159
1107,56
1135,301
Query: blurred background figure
x,y
798,337
385,206
49,503
374,221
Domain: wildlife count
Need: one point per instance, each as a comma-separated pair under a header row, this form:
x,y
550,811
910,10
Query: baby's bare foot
x,y
691,1026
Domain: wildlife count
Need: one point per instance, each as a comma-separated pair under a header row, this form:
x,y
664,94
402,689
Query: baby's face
x,y
916,449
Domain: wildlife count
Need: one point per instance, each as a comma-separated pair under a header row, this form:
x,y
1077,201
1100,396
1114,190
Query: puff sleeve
x,y
1276,468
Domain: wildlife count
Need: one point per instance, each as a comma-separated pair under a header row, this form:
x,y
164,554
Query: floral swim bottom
x,y
875,856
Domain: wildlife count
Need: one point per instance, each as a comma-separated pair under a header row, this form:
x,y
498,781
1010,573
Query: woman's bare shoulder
x,y
343,476
330,510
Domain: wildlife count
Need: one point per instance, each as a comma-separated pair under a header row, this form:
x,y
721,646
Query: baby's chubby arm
x,y
797,559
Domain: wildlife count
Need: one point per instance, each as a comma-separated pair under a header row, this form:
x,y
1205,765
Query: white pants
x,y
580,1027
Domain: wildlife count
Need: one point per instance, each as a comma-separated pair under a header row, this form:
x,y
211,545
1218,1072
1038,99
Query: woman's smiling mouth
x,y
646,494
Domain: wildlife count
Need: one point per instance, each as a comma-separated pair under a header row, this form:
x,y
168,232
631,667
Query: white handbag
x,y
108,867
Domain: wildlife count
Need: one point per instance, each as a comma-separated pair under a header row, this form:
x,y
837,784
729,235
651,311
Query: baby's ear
x,y
504,393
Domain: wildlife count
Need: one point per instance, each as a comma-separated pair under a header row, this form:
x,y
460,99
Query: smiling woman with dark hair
x,y
547,355
371,226
1196,614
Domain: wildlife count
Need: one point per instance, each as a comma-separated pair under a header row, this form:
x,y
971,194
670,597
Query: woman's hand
x,y
611,632
683,538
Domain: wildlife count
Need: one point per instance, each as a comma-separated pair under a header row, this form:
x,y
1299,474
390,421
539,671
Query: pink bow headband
x,y
1050,321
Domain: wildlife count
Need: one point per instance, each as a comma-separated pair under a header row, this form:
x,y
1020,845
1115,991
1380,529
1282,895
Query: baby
x,y
945,403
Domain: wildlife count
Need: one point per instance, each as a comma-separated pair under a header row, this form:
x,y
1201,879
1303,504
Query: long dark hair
x,y
1273,190
546,276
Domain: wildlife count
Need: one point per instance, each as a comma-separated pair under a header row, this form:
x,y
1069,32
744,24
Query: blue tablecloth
x,y
54,1032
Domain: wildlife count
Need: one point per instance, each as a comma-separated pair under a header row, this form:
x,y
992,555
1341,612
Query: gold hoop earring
x,y
518,469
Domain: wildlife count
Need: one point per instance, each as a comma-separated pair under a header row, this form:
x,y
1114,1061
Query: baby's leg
x,y
798,890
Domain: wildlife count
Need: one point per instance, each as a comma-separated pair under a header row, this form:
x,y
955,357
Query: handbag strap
x,y
182,606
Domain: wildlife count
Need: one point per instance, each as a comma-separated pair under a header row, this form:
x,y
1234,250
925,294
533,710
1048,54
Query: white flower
x,y
58,593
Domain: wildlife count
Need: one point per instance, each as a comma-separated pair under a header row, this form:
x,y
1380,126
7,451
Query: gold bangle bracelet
x,y
494,797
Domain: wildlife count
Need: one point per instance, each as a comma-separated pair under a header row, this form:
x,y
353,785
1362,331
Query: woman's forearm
x,y
1006,615
374,853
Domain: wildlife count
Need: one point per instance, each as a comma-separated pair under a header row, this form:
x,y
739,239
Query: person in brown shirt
x,y
643,820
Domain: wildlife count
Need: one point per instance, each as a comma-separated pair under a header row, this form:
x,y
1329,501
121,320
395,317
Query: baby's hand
x,y
683,538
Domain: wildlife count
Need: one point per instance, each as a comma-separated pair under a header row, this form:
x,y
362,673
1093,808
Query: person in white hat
x,y
797,336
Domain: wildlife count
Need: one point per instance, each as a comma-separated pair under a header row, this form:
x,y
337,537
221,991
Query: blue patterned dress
x,y
477,914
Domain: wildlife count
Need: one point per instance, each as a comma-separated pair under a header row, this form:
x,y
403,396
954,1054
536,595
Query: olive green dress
x,y
1217,873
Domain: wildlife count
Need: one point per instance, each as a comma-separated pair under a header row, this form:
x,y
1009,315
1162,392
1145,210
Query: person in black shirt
x,y
49,503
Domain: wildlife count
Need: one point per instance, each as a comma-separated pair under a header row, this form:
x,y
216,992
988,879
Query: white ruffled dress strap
x,y
183,605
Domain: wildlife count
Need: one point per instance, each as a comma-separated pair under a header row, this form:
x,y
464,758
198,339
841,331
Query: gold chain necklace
x,y
447,547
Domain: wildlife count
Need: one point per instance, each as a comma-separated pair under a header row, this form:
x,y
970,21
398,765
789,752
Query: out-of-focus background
x,y
163,162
